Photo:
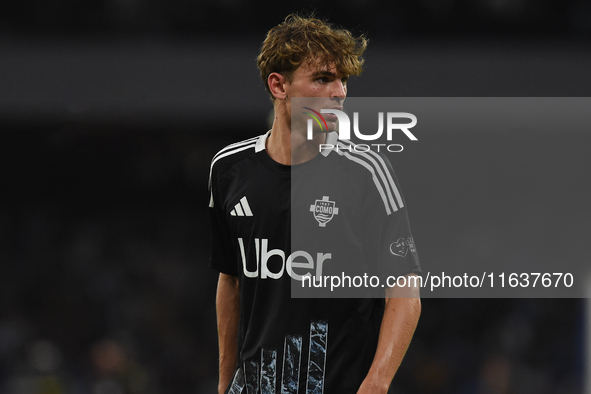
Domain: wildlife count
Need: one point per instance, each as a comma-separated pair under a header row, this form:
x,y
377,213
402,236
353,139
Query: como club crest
x,y
324,210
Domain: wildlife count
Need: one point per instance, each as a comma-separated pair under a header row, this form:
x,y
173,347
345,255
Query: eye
x,y
322,79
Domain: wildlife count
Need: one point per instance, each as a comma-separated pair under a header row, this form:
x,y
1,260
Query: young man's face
x,y
324,83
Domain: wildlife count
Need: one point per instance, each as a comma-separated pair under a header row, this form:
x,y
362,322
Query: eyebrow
x,y
328,73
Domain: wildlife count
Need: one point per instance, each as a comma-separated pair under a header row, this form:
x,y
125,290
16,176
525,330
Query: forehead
x,y
319,67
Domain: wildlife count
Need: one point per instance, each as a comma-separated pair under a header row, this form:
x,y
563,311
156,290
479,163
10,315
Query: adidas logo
x,y
242,208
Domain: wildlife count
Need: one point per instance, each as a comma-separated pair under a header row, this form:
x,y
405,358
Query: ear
x,y
276,83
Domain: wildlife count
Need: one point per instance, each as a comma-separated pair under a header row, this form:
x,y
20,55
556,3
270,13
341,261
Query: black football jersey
x,y
282,230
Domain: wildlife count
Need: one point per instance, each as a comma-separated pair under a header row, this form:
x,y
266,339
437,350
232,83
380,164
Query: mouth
x,y
332,117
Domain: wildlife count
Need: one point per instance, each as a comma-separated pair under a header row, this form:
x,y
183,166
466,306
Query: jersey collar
x,y
331,139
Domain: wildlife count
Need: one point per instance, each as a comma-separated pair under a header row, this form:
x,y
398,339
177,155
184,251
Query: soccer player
x,y
269,341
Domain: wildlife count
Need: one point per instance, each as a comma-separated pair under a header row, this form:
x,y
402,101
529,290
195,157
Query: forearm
x,y
228,316
401,315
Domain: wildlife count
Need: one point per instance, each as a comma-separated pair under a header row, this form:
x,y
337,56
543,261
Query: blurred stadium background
x,y
110,111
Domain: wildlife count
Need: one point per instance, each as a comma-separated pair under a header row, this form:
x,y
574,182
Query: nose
x,y
339,89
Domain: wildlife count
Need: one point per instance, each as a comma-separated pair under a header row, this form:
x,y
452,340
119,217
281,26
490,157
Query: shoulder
x,y
361,158
358,155
232,154
375,168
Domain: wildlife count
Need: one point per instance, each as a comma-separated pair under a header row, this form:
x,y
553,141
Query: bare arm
x,y
228,315
403,308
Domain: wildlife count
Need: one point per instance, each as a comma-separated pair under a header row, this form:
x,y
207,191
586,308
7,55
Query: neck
x,y
290,148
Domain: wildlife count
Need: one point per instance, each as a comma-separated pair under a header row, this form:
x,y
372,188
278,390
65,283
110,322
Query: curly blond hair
x,y
300,39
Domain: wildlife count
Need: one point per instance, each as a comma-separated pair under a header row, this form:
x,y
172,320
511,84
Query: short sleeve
x,y
389,239
222,257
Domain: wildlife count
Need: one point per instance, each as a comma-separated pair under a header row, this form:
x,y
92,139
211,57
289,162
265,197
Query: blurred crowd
x,y
105,286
